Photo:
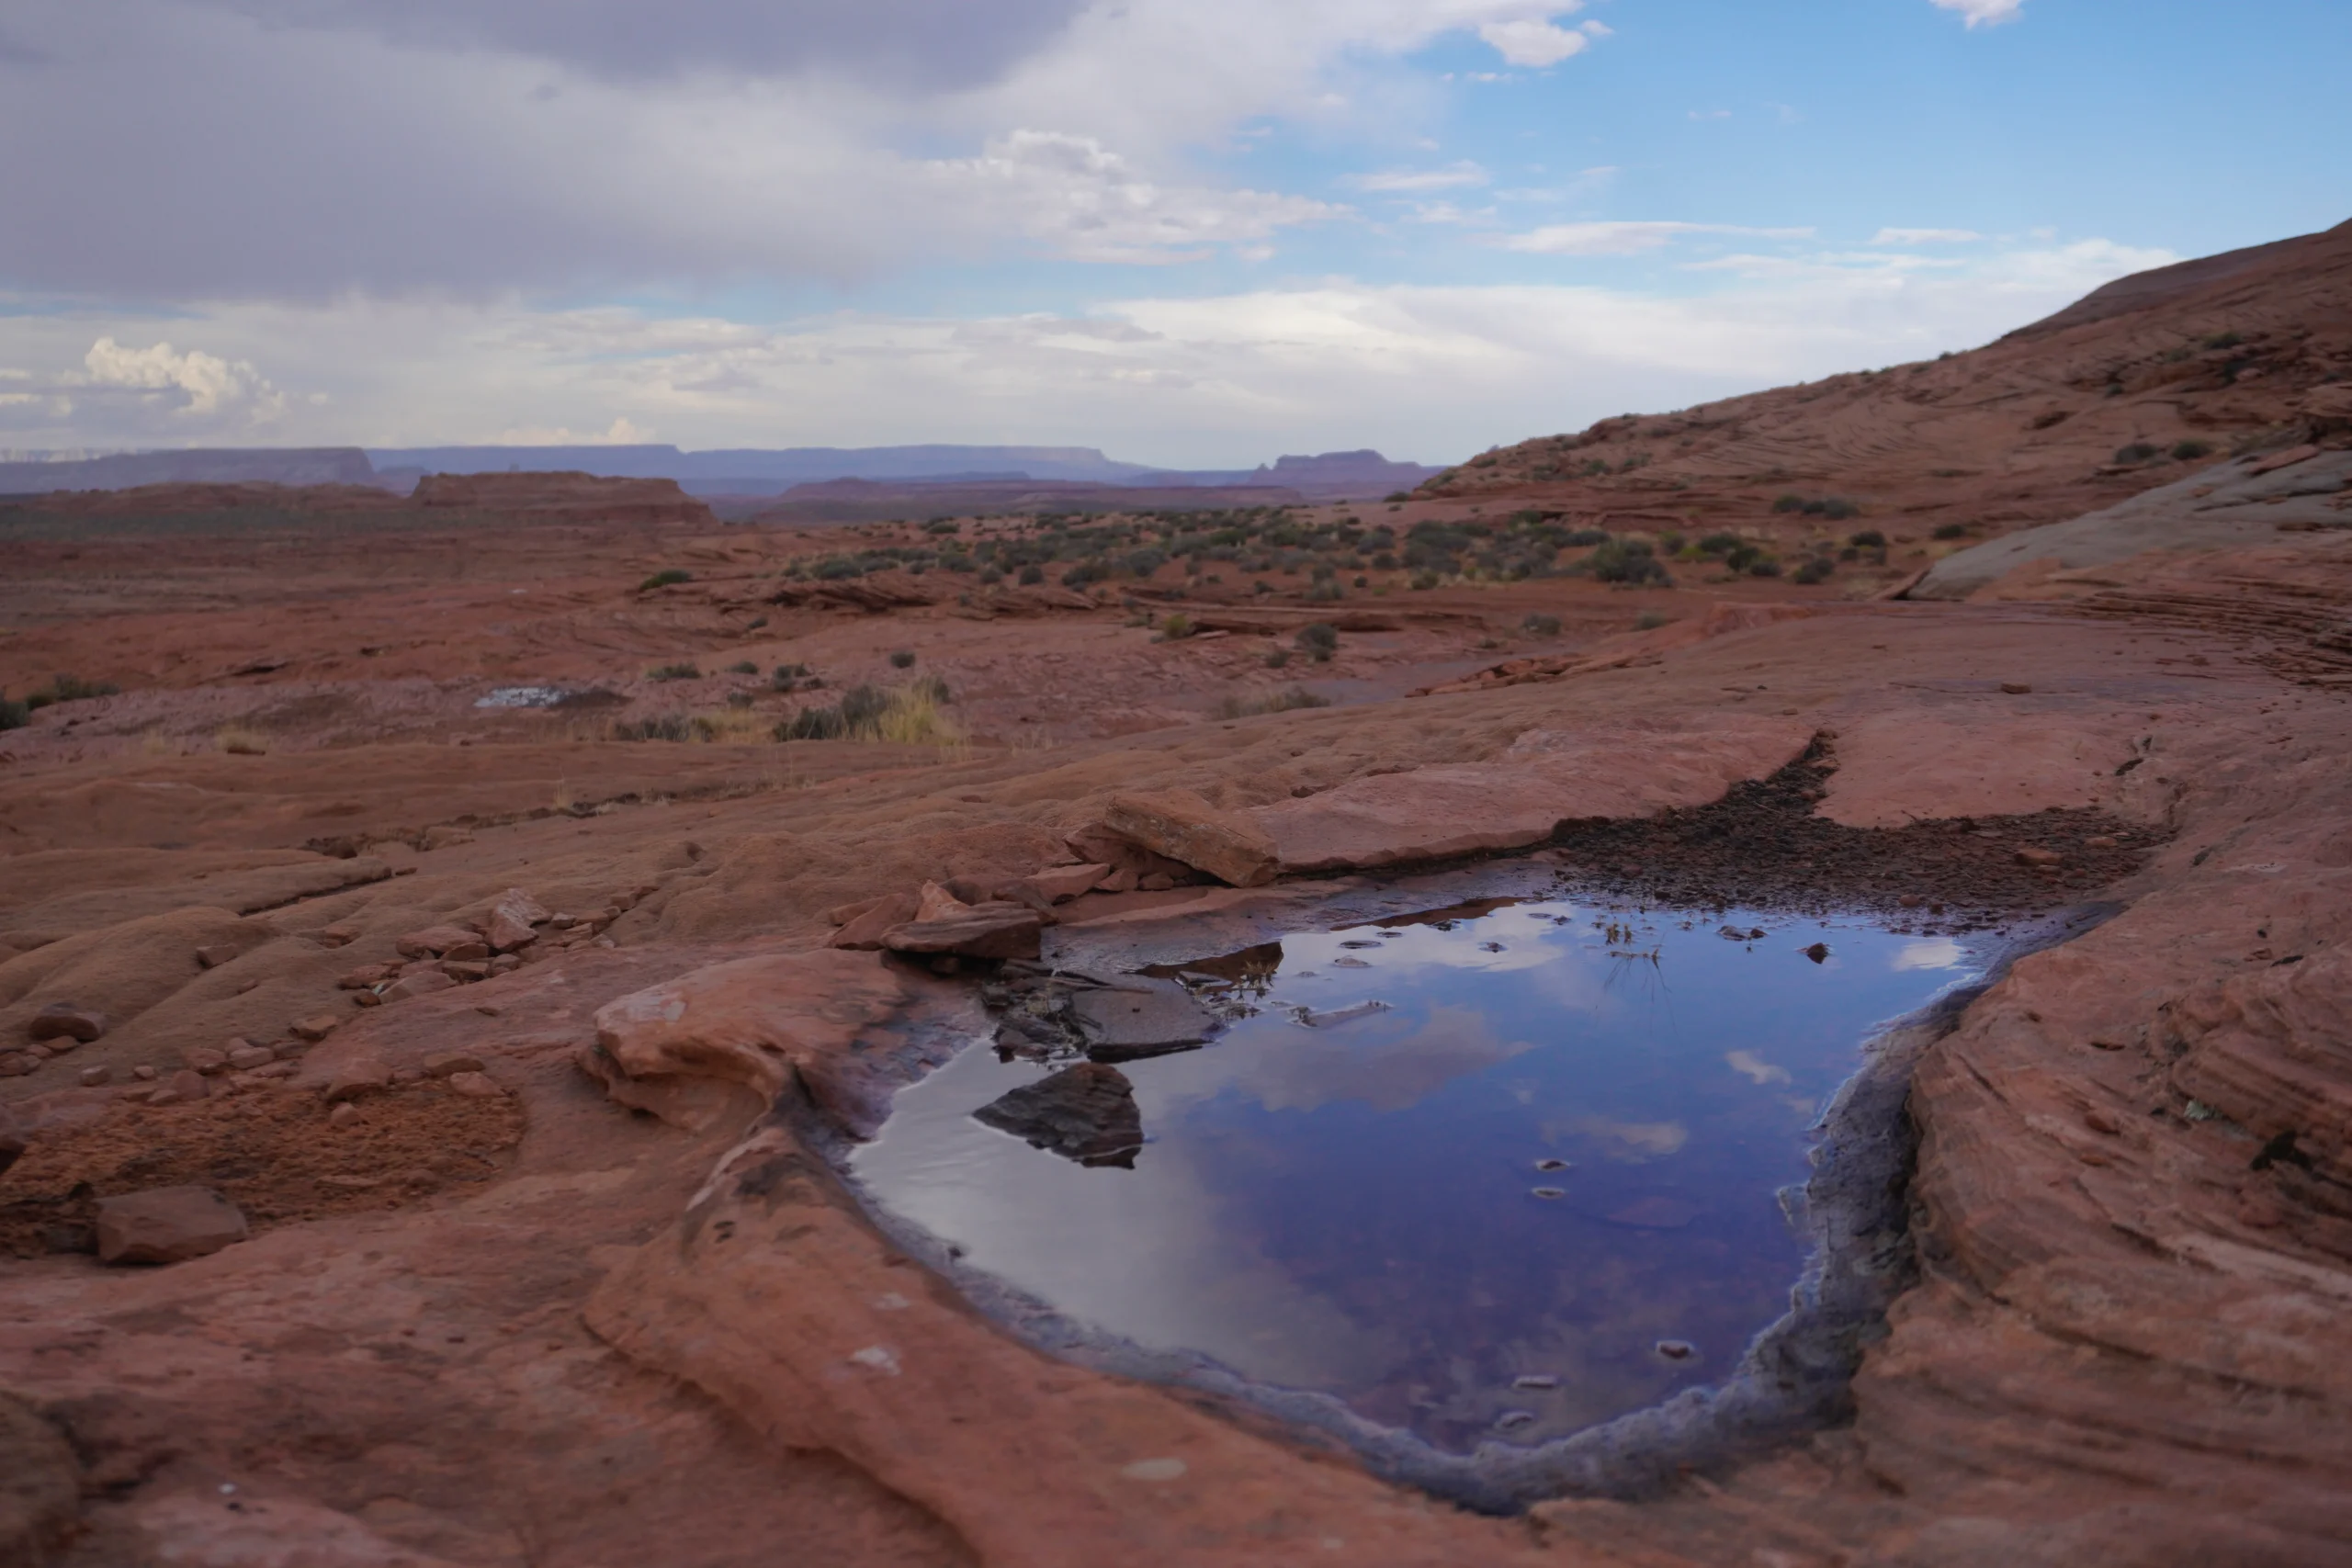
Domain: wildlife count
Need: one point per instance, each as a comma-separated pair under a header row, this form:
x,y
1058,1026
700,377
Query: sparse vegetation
x,y
66,689
904,658
1649,621
240,741
1540,624
1630,561
1836,508
14,713
1318,642
1176,627
685,669
1948,531
1819,568
1237,706
663,578
912,714
2189,451
743,667
2136,452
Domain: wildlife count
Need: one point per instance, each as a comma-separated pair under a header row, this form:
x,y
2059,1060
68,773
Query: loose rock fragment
x,y
1085,1113
358,1076
449,1063
166,1225
1183,827
315,1028
63,1020
476,1086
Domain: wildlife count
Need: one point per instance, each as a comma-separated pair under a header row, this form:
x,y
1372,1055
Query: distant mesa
x,y
874,501
550,496
196,465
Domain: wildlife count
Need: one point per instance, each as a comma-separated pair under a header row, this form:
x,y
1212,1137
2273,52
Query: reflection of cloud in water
x,y
1937,953
1298,1069
1628,1142
1755,1068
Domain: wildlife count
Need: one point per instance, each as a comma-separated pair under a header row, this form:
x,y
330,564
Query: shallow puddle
x,y
1498,1176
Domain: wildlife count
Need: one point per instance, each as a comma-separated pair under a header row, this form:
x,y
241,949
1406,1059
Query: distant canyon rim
x,y
438,930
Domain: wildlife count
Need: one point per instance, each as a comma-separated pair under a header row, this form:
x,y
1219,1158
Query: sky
x,y
1191,232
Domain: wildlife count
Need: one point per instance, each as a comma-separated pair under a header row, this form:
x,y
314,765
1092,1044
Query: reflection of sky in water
x,y
1352,1207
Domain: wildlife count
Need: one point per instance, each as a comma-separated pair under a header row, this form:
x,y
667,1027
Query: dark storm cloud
x,y
923,43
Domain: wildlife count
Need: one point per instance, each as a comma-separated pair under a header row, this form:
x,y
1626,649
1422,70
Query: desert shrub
x,y
1385,561
1868,539
740,699
683,671
663,578
1788,503
2223,340
1176,627
1362,581
14,715
238,740
1950,530
1398,497
787,676
1820,568
1276,701
67,689
1422,580
1031,575
1764,567
1585,538
1277,658
934,690
1319,641
856,709
743,667
1540,624
835,569
1626,560
991,577
1649,621
1719,543
664,727
904,658
2136,452
2189,451
1326,591
940,526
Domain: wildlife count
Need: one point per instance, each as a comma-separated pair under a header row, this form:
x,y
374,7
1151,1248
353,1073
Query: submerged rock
x,y
1140,1018
1085,1113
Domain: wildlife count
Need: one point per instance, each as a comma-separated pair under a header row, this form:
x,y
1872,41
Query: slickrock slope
x,y
2046,423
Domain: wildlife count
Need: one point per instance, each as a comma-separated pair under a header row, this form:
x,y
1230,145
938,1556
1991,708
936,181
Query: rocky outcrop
x,y
166,1225
1184,827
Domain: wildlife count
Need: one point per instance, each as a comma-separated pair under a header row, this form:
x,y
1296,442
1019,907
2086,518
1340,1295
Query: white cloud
x,y
1625,238
1532,41
1983,13
1452,176
195,384
1924,237
1221,380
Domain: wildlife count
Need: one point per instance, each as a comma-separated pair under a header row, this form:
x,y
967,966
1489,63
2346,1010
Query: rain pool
x,y
1488,1175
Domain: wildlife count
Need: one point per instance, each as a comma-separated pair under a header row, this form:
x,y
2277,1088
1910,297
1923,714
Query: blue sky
x,y
1190,232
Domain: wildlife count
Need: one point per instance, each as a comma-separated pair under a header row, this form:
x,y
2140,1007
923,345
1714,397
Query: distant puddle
x,y
1494,1176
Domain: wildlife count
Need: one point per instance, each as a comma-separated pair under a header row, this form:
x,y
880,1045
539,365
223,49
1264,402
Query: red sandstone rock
x,y
433,942
1061,883
475,1086
166,1225
1182,826
424,982
216,954
66,1021
446,1063
358,1076
878,919
972,930
511,919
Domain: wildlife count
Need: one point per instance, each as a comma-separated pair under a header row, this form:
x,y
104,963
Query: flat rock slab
x,y
1085,1113
166,1225
976,930
1547,778
1139,1018
1183,827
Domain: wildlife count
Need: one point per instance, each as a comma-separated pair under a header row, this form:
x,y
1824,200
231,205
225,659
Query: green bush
x,y
743,667
663,578
1767,567
1868,539
680,671
1398,497
835,569
1319,641
1719,543
1277,657
2136,452
1031,575
1626,560
1423,580
1540,624
904,658
2189,451
1950,530
1820,568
